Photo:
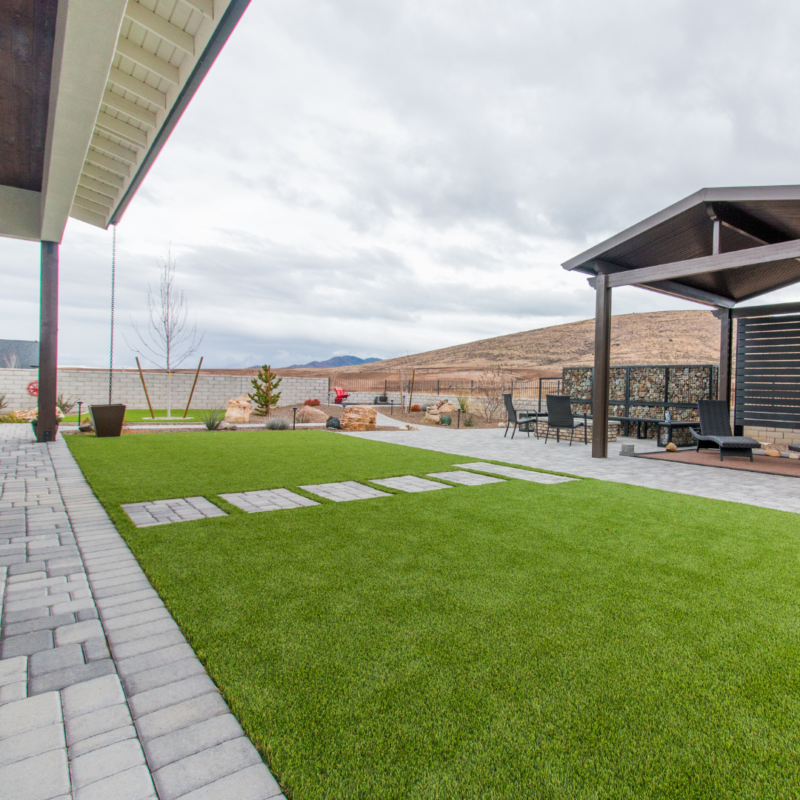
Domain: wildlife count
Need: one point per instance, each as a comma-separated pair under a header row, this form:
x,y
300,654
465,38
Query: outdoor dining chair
x,y
559,415
519,419
715,431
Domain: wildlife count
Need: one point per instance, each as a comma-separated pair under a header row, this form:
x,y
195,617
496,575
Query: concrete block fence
x,y
91,386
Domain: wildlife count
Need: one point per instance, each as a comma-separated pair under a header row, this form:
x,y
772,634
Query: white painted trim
x,y
20,213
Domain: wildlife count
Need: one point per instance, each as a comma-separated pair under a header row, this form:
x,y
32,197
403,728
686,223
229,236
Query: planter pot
x,y
107,420
35,432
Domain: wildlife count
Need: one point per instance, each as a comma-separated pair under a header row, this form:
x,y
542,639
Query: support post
x,y
144,386
602,367
48,343
191,394
725,355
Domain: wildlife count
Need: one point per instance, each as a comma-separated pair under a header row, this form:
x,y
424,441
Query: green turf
x,y
583,640
143,415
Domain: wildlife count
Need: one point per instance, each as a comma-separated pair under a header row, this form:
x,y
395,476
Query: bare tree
x,y
492,385
169,338
11,360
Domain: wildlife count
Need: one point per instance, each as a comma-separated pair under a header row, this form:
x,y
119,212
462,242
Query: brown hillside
x,y
660,337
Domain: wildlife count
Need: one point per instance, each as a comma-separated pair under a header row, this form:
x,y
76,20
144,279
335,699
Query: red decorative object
x,y
311,402
341,394
415,407
33,388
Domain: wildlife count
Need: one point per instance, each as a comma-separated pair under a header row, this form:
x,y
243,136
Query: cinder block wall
x,y
91,386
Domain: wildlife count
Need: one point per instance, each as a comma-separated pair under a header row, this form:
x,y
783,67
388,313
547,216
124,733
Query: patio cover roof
x,y
90,90
717,246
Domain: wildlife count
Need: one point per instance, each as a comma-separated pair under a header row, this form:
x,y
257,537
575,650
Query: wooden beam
x,y
93,157
733,217
137,87
602,367
766,310
89,217
103,175
725,355
152,22
699,266
134,110
205,7
150,61
98,187
123,130
85,202
96,197
113,149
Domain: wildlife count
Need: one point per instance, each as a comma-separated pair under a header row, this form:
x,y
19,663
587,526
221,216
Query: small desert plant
x,y
312,402
212,418
12,417
333,422
464,403
65,404
277,425
415,407
444,419
3,402
264,395
469,421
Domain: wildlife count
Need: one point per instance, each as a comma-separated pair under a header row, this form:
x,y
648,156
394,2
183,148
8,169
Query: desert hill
x,y
659,337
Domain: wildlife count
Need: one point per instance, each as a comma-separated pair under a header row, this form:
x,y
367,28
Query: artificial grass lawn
x,y
143,415
583,640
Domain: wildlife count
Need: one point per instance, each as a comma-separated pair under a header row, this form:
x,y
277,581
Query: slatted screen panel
x,y
768,372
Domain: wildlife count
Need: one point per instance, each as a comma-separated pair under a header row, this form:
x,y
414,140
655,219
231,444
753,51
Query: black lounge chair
x,y
715,431
559,415
519,419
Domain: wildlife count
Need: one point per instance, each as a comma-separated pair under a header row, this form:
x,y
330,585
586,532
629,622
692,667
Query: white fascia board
x,y
85,43
20,213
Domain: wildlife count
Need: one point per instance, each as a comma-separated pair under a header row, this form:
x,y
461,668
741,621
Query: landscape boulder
x,y
310,414
672,448
772,453
238,410
358,418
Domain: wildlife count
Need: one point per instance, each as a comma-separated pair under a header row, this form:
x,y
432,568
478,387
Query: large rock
x,y
239,410
310,414
358,418
447,408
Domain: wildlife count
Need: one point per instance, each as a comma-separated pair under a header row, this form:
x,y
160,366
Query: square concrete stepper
x,y
410,483
465,478
515,472
161,512
267,500
342,492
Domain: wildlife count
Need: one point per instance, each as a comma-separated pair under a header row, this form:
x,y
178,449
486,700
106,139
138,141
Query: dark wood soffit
x,y
27,33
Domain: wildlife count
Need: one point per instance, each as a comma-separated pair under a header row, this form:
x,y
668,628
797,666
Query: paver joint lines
x,y
267,500
344,491
410,483
160,512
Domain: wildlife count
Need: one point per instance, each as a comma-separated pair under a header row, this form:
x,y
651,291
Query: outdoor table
x,y
642,424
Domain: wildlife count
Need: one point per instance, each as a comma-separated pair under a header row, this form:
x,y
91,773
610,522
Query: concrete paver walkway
x,y
101,697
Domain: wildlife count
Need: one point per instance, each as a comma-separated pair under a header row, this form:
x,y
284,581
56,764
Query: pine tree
x,y
265,397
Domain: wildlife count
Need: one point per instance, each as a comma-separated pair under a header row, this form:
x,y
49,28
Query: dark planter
x,y
36,433
107,420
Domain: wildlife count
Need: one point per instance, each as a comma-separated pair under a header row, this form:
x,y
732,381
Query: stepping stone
x,y
410,483
342,492
515,472
465,478
267,500
161,512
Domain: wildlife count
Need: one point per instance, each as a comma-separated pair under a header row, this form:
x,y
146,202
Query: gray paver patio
x,y
514,472
161,512
267,500
100,694
342,492
465,478
411,484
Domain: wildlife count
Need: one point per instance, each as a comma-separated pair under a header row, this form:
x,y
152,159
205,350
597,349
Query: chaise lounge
x,y
715,431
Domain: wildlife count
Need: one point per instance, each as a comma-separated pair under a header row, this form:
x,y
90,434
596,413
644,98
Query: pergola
x,y
90,91
718,247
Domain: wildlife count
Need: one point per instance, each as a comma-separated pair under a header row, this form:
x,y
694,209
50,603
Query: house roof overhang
x,y
93,90
757,247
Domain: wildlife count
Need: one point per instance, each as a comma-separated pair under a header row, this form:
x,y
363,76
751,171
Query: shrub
x,y
312,402
445,419
12,417
464,403
212,418
265,397
277,425
65,404
469,421
415,407
333,422
3,402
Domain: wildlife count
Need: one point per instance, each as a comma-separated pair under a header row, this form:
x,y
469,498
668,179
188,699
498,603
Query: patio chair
x,y
559,415
519,419
341,394
715,431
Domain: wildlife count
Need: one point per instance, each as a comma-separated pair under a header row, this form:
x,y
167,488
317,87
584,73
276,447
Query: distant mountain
x,y
336,361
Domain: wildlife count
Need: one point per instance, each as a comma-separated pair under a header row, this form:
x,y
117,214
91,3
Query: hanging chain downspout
x,y
113,278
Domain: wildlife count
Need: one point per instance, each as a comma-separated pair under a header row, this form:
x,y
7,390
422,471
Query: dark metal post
x,y
48,343
602,361
294,418
725,354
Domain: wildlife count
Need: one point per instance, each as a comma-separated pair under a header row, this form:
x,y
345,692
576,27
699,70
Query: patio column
x,y
602,367
725,354
48,343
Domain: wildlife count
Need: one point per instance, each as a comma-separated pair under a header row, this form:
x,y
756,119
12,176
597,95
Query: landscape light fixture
x,y
80,403
294,418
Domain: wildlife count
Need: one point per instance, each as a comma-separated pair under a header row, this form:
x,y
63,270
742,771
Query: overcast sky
x,y
375,178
